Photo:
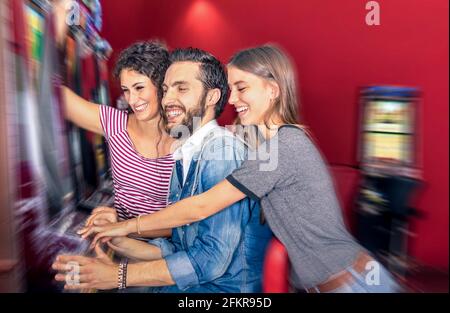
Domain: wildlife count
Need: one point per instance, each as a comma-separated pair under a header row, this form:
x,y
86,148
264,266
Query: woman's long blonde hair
x,y
272,63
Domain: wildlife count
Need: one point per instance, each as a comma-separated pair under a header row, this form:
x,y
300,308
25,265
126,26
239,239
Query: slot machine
x,y
389,159
55,173
11,274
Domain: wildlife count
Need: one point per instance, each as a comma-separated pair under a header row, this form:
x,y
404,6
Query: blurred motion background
x,y
375,98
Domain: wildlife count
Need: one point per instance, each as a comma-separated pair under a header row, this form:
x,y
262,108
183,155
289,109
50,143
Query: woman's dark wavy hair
x,y
149,58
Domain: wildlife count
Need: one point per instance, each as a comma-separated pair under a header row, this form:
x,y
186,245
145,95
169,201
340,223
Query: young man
x,y
223,253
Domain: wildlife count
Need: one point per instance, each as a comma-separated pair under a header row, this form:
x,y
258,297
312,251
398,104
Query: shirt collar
x,y
194,142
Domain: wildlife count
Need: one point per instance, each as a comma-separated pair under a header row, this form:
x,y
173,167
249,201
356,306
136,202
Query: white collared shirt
x,y
192,145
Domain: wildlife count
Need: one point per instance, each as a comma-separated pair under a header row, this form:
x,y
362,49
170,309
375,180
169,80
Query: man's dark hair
x,y
212,72
149,58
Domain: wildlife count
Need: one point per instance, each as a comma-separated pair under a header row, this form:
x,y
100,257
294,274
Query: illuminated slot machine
x,y
45,194
87,76
389,158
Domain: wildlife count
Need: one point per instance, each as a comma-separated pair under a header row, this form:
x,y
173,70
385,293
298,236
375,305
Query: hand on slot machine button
x,y
102,215
84,273
108,230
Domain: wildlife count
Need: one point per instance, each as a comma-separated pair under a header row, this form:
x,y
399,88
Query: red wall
x,y
335,52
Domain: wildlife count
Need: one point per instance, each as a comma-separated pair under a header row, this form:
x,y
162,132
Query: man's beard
x,y
196,113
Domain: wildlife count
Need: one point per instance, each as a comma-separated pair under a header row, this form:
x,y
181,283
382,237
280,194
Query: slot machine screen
x,y
388,132
52,134
34,39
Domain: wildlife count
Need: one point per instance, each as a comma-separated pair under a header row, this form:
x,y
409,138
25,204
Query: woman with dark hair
x,y
296,193
139,145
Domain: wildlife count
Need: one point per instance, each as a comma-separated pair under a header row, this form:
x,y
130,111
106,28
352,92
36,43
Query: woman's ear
x,y
275,90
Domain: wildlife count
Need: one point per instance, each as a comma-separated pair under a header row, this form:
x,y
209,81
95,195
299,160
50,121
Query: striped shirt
x,y
141,184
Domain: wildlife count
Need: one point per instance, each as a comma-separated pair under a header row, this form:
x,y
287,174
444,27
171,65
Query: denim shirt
x,y
225,252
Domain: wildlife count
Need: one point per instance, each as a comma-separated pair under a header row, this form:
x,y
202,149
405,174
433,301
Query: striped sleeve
x,y
113,120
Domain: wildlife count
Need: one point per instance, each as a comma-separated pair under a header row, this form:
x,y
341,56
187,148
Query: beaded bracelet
x,y
122,276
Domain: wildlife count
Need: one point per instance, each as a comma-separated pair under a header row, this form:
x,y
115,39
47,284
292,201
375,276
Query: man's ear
x,y
213,96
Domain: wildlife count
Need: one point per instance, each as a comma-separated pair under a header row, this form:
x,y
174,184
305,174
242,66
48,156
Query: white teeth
x,y
174,113
140,107
241,109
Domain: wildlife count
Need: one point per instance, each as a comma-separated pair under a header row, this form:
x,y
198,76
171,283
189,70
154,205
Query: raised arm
x,y
183,212
81,112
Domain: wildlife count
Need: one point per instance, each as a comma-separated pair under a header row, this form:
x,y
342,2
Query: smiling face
x,y
250,94
140,93
184,94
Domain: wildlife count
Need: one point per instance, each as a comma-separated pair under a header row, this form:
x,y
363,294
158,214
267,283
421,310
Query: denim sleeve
x,y
167,245
219,235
